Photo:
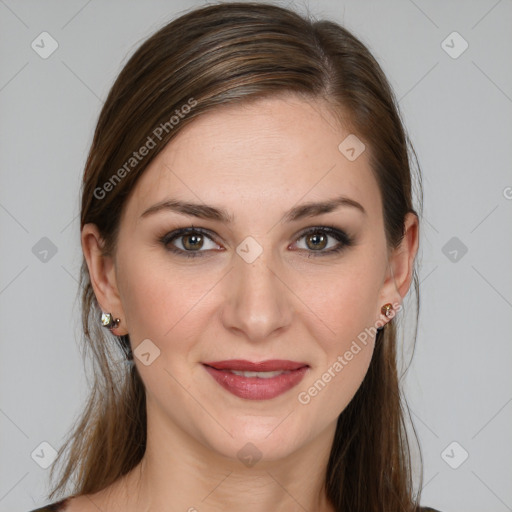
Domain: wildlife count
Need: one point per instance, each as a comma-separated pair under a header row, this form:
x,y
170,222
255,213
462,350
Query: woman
x,y
249,235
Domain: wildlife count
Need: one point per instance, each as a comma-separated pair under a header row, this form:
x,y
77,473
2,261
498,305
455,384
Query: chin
x,y
261,438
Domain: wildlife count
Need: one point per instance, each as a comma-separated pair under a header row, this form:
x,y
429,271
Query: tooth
x,y
261,375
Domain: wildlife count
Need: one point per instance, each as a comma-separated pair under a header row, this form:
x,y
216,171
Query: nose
x,y
259,302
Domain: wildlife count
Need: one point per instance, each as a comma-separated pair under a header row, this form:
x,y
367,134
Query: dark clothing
x,y
60,506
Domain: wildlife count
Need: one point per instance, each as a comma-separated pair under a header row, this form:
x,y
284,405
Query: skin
x,y
257,161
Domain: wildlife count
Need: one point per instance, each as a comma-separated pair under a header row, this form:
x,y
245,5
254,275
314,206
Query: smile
x,y
257,385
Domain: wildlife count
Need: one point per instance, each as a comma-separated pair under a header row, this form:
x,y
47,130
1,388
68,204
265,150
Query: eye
x,y
192,242
317,239
188,242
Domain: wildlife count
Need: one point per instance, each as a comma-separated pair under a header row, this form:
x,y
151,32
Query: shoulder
x,y
58,506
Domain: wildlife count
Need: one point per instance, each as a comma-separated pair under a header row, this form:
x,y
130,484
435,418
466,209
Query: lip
x,y
256,388
270,365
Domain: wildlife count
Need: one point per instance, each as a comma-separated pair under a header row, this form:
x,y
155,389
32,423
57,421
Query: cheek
x,y
336,386
344,327
144,297
342,367
160,301
343,301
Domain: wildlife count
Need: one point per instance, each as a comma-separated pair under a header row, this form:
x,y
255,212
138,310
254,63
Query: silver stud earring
x,y
108,321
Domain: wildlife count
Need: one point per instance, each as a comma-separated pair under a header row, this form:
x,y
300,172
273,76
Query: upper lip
x,y
242,365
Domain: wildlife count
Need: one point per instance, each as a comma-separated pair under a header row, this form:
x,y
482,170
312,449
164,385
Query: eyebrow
x,y
203,211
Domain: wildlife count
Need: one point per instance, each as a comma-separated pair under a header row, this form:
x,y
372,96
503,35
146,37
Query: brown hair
x,y
221,55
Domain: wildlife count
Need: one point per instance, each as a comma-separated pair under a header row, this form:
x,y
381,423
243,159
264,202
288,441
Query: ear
x,y
400,267
102,272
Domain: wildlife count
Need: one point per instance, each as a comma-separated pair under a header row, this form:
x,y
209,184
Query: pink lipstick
x,y
257,381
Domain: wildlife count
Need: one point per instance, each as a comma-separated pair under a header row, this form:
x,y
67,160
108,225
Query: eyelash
x,y
342,237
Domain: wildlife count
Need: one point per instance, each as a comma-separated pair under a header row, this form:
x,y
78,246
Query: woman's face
x,y
253,287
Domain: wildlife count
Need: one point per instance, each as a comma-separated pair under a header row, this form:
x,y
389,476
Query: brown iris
x,y
319,241
194,241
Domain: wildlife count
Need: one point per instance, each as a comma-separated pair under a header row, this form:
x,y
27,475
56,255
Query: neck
x,y
176,469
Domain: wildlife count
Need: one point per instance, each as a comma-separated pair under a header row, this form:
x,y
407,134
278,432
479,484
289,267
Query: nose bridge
x,y
259,303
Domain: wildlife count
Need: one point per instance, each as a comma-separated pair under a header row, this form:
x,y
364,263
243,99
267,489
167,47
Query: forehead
x,y
269,154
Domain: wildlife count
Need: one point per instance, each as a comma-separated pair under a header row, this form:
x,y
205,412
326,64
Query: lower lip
x,y
255,388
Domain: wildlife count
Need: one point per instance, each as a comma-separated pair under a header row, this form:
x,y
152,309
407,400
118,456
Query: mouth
x,y
257,381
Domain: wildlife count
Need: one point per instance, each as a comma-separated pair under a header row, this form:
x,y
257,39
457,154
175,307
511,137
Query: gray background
x,y
458,114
